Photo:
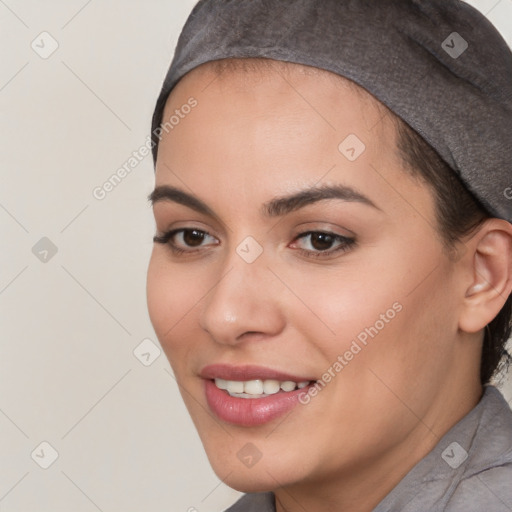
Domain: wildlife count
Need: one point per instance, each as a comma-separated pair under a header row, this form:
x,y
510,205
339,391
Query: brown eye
x,y
186,240
193,237
322,241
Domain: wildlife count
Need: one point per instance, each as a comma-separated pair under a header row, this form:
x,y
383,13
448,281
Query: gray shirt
x,y
469,470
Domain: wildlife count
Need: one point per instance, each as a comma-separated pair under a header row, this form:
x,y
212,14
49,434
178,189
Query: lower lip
x,y
250,412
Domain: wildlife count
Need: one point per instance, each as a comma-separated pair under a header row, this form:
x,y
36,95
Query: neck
x,y
362,488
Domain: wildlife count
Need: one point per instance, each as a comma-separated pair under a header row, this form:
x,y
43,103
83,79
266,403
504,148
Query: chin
x,y
263,476
249,481
249,485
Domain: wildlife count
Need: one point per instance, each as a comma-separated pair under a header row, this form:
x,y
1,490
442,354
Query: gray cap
x,y
439,65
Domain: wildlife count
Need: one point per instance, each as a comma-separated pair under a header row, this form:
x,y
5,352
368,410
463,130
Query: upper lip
x,y
248,372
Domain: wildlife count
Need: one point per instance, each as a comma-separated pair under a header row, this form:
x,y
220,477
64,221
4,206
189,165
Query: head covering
x,y
439,65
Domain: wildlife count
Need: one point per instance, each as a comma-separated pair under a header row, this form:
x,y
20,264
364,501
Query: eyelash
x,y
166,239
345,243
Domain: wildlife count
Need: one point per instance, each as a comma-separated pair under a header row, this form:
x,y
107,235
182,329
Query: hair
x,y
458,215
458,212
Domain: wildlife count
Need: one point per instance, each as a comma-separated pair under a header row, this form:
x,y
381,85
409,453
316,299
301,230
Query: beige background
x,y
70,324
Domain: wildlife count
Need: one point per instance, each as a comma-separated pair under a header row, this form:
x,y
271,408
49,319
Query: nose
x,y
243,304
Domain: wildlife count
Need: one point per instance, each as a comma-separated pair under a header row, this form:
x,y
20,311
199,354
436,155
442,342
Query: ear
x,y
490,257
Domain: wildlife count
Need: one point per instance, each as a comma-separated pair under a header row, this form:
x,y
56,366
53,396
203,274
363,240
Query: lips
x,y
249,372
243,409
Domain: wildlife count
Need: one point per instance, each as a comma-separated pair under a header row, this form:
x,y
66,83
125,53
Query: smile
x,y
250,395
258,388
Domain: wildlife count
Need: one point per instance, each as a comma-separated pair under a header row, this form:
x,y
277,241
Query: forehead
x,y
272,130
276,96
230,76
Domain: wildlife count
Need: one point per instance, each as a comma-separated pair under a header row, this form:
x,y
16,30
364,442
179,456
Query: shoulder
x,y
490,489
486,480
469,470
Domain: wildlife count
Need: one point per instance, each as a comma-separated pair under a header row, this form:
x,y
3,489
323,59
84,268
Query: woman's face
x,y
295,254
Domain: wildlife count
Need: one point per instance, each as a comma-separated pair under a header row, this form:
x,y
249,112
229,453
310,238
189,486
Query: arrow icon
x,y
44,45
44,455
249,455
44,250
352,147
454,455
249,249
146,352
455,45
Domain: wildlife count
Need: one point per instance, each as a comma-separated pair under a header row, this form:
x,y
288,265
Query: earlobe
x,y
491,260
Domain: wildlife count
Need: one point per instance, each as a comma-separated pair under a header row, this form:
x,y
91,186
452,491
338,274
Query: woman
x,y
331,274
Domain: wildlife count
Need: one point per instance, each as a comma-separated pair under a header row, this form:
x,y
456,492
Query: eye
x,y
319,243
186,240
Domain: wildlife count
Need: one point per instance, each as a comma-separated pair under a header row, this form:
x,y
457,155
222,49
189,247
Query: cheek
x,y
382,308
406,351
336,307
157,286
171,296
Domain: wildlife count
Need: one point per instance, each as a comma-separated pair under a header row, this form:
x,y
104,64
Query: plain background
x,y
71,321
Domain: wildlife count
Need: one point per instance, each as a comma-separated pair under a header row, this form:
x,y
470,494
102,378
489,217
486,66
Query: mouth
x,y
251,395
258,388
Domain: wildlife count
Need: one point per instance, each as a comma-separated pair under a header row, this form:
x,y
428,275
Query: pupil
x,y
193,238
321,241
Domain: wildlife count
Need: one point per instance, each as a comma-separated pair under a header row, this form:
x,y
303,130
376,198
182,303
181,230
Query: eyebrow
x,y
176,195
287,204
275,208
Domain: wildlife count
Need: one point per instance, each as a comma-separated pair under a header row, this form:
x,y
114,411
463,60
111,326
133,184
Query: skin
x,y
256,136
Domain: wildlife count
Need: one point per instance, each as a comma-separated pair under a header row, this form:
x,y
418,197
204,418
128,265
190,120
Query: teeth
x,y
221,383
288,385
257,388
253,387
234,386
271,387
